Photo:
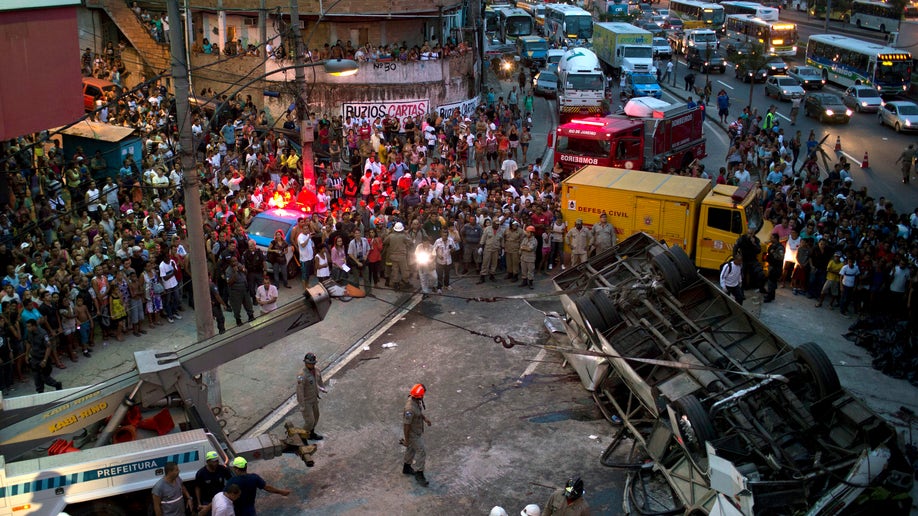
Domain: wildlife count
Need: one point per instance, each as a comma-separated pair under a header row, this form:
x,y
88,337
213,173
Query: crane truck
x,y
99,449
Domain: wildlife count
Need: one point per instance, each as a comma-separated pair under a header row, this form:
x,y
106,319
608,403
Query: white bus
x,y
869,14
568,22
753,8
536,9
514,23
711,15
848,61
777,38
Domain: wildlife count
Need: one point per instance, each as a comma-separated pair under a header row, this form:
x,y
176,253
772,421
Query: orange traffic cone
x,y
865,163
838,143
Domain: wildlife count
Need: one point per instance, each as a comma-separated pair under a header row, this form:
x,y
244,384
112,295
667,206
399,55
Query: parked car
x,y
901,115
863,98
705,61
545,84
826,107
808,76
783,87
776,66
747,75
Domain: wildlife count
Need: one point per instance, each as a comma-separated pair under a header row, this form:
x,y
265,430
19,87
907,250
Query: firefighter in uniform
x,y
603,234
308,385
579,241
567,501
396,247
490,245
512,238
528,257
413,441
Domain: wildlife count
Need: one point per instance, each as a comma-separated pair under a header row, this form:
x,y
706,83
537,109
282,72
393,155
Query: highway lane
x,y
862,133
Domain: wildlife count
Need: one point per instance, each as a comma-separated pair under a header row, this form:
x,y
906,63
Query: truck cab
x,y
532,50
652,135
698,38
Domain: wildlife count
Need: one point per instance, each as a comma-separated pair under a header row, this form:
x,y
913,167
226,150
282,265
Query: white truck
x,y
581,84
623,48
698,38
100,449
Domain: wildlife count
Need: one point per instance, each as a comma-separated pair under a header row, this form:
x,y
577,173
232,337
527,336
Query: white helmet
x,y
497,511
531,510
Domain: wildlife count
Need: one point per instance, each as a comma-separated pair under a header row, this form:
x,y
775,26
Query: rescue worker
x,y
413,440
512,237
396,244
774,257
750,246
427,271
38,349
579,240
603,234
210,480
169,492
528,247
308,385
906,159
567,501
490,246
249,483
239,297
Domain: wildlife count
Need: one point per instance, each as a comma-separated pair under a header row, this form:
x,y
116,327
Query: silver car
x,y
545,83
783,87
901,115
863,98
808,76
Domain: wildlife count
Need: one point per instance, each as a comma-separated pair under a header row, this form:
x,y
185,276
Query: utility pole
x,y
194,219
306,135
825,27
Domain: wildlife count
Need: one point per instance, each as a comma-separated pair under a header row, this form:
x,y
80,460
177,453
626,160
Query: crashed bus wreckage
x,y
715,413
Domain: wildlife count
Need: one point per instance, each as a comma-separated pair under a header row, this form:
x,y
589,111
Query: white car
x,y
863,98
783,87
901,115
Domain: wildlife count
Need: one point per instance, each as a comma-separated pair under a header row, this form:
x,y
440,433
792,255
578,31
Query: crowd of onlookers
x,y
72,236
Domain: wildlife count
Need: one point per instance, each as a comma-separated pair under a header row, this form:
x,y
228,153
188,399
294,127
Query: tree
x,y
750,57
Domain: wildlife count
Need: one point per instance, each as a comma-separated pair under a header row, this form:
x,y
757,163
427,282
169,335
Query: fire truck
x,y
100,449
650,135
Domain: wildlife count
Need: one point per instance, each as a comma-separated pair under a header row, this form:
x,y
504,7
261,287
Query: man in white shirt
x,y
307,253
508,168
372,165
266,296
358,249
742,175
222,504
167,270
731,278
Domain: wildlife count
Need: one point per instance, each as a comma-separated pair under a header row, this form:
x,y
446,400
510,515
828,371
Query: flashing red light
x,y
589,122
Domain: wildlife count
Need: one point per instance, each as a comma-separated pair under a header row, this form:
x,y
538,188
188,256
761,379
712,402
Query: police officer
x,y
308,385
38,348
413,441
567,501
237,286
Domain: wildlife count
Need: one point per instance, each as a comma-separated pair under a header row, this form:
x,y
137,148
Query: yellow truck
x,y
702,218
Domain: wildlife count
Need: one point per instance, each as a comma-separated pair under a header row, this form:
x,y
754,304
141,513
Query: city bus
x,y
752,8
568,22
514,23
490,19
869,14
689,10
536,9
848,61
777,38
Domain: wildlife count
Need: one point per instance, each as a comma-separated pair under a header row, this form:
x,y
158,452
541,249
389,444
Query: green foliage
x,y
752,56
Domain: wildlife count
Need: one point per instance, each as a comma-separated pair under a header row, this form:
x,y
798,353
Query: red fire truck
x,y
651,135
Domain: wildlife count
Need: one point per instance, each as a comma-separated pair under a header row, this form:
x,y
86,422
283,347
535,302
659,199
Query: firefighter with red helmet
x,y
413,423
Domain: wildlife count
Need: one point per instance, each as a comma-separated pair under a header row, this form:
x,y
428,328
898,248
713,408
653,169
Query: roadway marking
x,y
852,158
285,408
725,84
529,370
782,116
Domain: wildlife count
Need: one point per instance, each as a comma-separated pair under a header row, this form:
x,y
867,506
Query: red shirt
x,y
540,221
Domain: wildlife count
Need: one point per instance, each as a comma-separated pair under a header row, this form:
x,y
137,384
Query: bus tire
x,y
683,263
668,271
698,417
820,368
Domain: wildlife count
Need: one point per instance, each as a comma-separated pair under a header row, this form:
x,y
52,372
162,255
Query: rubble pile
x,y
894,351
